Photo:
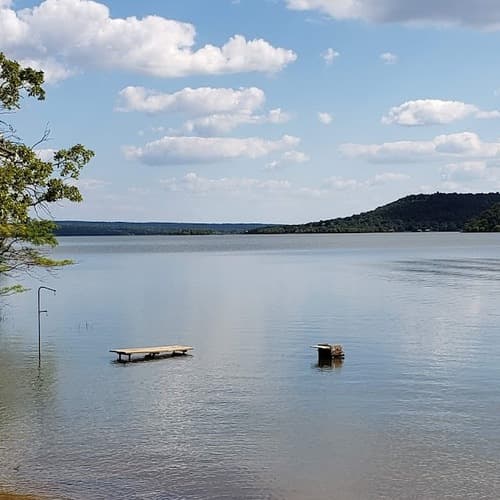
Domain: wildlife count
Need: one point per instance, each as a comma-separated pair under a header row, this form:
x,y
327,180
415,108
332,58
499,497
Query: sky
x,y
273,111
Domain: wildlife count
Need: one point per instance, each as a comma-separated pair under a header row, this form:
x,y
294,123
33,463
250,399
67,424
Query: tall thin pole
x,y
40,312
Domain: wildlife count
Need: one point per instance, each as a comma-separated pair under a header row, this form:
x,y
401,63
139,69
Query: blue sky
x,y
262,110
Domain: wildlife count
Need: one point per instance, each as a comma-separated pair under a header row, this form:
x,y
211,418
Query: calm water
x,y
413,412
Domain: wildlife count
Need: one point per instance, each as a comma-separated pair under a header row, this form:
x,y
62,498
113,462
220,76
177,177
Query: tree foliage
x,y
487,222
29,184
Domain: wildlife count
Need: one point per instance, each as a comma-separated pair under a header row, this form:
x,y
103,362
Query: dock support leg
x,y
129,357
119,357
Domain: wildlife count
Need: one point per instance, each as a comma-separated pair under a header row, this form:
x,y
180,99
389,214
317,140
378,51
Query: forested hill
x,y
85,228
487,222
420,212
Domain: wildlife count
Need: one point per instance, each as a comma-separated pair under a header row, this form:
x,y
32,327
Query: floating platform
x,y
151,352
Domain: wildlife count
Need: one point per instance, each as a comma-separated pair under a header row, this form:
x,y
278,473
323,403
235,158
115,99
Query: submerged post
x,y
40,312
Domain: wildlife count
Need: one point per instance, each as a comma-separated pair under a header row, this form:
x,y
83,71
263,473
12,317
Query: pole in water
x,y
40,312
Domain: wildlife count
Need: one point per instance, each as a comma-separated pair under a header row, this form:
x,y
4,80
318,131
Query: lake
x,y
412,412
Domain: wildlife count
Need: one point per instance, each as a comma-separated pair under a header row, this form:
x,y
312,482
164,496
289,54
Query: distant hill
x,y
84,228
487,221
419,212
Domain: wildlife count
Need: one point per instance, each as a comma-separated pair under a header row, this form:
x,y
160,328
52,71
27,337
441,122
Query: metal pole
x,y
40,312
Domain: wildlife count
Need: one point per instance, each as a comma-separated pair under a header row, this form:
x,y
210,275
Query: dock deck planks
x,y
151,352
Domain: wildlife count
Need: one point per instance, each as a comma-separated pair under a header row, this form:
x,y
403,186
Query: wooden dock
x,y
151,352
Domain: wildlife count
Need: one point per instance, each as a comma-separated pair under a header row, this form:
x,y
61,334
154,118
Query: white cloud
x,y
295,157
389,151
74,35
433,112
53,70
194,183
288,157
487,115
224,123
215,110
383,179
219,124
389,58
329,55
195,102
387,177
238,186
184,150
470,176
482,14
465,144
466,171
277,116
45,154
325,118
341,183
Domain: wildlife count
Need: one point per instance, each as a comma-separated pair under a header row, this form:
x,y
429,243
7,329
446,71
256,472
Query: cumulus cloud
x,y
224,123
195,102
214,110
53,70
434,112
237,186
465,171
325,118
197,184
329,55
73,35
389,58
466,144
470,176
185,150
481,14
343,183
45,154
389,151
487,115
288,157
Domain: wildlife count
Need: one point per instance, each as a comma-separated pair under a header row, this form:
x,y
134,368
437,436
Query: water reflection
x,y
27,403
328,364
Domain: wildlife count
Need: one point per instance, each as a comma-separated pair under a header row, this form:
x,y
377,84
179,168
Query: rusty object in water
x,y
327,352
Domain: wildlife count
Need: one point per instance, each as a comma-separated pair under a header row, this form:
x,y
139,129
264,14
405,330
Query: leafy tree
x,y
29,184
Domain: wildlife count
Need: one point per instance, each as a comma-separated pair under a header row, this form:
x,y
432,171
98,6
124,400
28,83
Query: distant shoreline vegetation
x,y
88,228
414,213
